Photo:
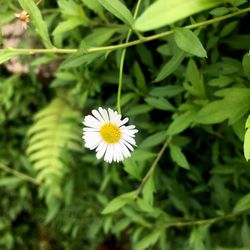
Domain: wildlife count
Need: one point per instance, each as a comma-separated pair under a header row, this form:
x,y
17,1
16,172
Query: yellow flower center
x,y
110,133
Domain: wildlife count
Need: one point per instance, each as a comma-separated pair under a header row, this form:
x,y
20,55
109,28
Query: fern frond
x,y
55,129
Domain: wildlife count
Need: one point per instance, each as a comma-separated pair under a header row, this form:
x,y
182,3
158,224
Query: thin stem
x,y
127,44
19,174
153,166
201,222
122,61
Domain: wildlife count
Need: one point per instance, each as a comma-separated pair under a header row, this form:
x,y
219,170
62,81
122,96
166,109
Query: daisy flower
x,y
106,133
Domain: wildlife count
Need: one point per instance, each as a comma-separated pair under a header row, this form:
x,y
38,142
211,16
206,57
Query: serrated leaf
x,y
36,19
164,12
234,105
119,202
118,9
178,157
189,42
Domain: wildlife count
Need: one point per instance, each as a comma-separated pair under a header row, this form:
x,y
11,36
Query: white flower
x,y
106,133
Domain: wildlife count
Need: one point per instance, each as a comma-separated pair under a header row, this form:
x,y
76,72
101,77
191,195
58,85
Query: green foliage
x,y
53,134
165,12
189,42
185,87
36,17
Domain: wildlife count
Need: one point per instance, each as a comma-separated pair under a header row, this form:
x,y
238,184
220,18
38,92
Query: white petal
x,y
91,122
127,145
122,122
128,132
108,154
112,116
129,139
92,145
101,149
90,130
120,154
104,114
125,150
98,116
92,139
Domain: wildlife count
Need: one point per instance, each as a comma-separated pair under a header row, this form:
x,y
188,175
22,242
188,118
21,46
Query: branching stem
x,y
153,166
201,222
19,174
126,44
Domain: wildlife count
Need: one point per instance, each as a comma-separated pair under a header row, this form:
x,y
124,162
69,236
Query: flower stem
x,y
122,61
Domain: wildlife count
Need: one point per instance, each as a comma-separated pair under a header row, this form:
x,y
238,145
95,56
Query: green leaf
x,y
36,19
99,36
164,12
132,168
66,26
139,109
178,157
189,42
72,10
246,65
234,105
160,103
10,182
220,11
7,55
170,66
181,122
154,140
139,76
119,202
229,28
148,191
245,232
96,7
80,58
148,240
246,146
221,81
167,91
118,9
243,204
195,83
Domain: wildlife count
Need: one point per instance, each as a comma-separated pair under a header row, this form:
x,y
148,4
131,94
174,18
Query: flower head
x,y
106,133
24,18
